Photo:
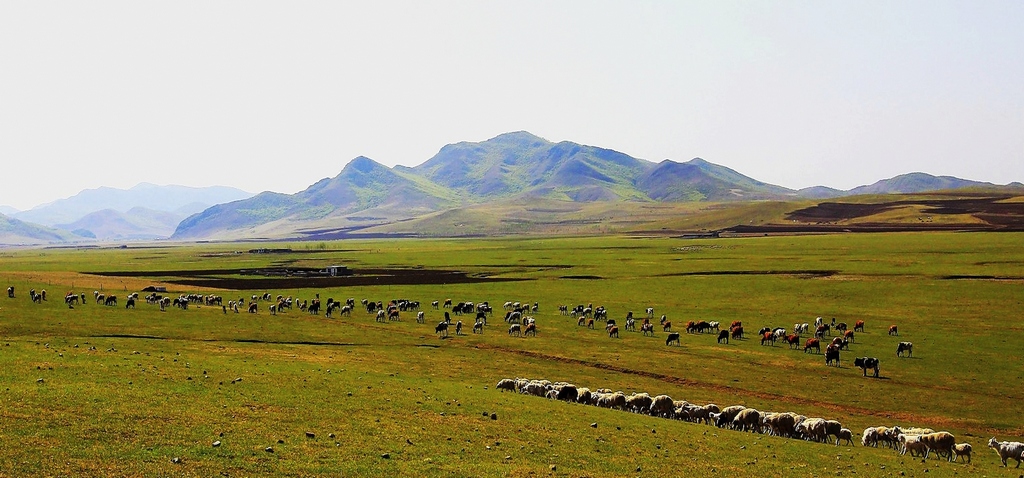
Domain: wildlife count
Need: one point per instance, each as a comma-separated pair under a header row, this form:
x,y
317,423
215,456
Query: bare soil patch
x,y
213,278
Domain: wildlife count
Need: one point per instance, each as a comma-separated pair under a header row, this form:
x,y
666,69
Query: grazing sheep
x,y
662,406
913,444
639,402
748,419
962,449
506,384
833,428
727,415
612,400
814,429
568,392
941,442
844,434
1008,449
870,437
781,424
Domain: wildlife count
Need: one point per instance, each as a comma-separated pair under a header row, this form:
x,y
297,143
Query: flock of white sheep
x,y
916,441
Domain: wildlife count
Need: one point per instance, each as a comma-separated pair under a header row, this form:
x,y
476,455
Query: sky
x,y
277,95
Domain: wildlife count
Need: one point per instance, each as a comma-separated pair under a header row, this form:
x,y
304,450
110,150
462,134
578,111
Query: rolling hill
x,y
137,223
15,232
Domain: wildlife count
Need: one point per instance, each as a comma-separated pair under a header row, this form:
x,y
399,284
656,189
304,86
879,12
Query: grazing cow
x,y
110,300
893,330
630,324
723,335
650,312
420,318
841,327
515,329
478,327
582,321
822,330
832,356
272,308
666,326
458,328
129,304
673,337
10,292
647,328
590,323
252,308
907,347
614,332
812,344
764,330
434,304
737,332
769,338
441,329
848,335
736,323
858,326
865,363
531,329
793,340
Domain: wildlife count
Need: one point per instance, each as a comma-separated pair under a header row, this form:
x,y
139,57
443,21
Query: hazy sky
x,y
274,96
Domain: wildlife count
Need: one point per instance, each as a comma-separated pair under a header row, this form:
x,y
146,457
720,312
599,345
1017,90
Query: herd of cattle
x,y
918,442
587,315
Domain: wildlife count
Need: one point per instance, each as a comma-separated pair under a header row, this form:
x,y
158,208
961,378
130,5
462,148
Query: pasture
x,y
110,391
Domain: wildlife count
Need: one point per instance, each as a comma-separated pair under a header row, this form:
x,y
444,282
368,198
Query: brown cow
x,y
737,332
812,344
859,326
893,330
848,335
613,332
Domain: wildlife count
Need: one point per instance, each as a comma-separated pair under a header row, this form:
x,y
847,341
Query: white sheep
x,y
1008,449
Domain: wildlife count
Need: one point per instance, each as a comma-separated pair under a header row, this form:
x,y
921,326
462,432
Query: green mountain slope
x,y
17,232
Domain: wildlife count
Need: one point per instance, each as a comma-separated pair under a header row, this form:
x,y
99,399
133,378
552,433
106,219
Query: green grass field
x,y
105,391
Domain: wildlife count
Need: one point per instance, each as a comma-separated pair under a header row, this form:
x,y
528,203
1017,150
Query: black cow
x,y
865,363
673,337
723,335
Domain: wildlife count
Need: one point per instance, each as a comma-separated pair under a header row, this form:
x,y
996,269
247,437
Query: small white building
x,y
335,271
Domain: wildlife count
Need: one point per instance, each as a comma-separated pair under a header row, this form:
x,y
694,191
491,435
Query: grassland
x,y
105,391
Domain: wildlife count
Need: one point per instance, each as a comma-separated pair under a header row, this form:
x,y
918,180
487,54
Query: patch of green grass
x,y
113,403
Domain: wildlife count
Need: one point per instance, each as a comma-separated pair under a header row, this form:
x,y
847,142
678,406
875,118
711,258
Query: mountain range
x,y
511,167
181,200
500,185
